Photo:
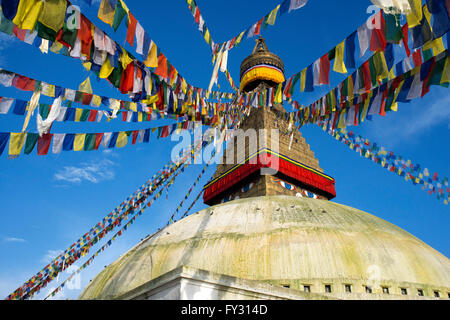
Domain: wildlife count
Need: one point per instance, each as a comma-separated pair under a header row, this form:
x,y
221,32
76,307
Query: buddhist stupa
x,y
275,236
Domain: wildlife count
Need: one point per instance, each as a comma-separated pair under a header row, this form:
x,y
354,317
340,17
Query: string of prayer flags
x,y
350,104
378,35
414,173
112,220
83,44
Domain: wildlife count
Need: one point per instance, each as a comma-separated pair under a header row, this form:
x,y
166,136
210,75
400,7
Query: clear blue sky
x,y
43,214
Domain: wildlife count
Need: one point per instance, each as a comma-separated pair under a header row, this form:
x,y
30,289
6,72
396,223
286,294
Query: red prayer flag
x,y
165,132
87,98
378,39
44,144
366,76
135,135
131,33
85,36
417,58
324,70
258,27
20,33
425,85
197,15
161,69
92,115
127,81
23,83
405,39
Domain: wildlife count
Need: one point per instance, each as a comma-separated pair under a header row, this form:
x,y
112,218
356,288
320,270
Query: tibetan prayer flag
x,y
119,14
161,70
414,16
131,31
68,142
421,33
350,51
272,16
78,143
122,140
89,143
406,39
393,28
58,140
289,5
28,13
85,35
30,142
44,144
4,137
339,65
324,74
98,140
309,79
152,56
5,105
106,11
53,14
106,69
113,140
364,35
440,11
378,41
9,8
85,86
24,83
16,144
20,107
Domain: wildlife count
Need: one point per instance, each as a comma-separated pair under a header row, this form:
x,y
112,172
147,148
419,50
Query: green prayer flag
x,y
44,110
89,142
85,115
393,28
6,26
30,142
119,14
45,32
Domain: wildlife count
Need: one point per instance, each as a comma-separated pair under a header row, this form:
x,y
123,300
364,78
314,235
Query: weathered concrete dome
x,y
286,241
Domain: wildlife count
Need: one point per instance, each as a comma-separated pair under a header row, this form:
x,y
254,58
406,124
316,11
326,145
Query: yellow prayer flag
x,y
28,12
207,36
122,140
272,16
16,142
53,14
415,16
85,86
106,12
125,59
78,113
184,86
87,65
381,65
239,38
48,90
96,100
339,65
303,80
278,94
78,143
106,69
133,106
140,116
366,106
437,45
152,57
341,123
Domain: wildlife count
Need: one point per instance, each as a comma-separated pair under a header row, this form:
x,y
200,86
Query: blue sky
x,y
49,202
